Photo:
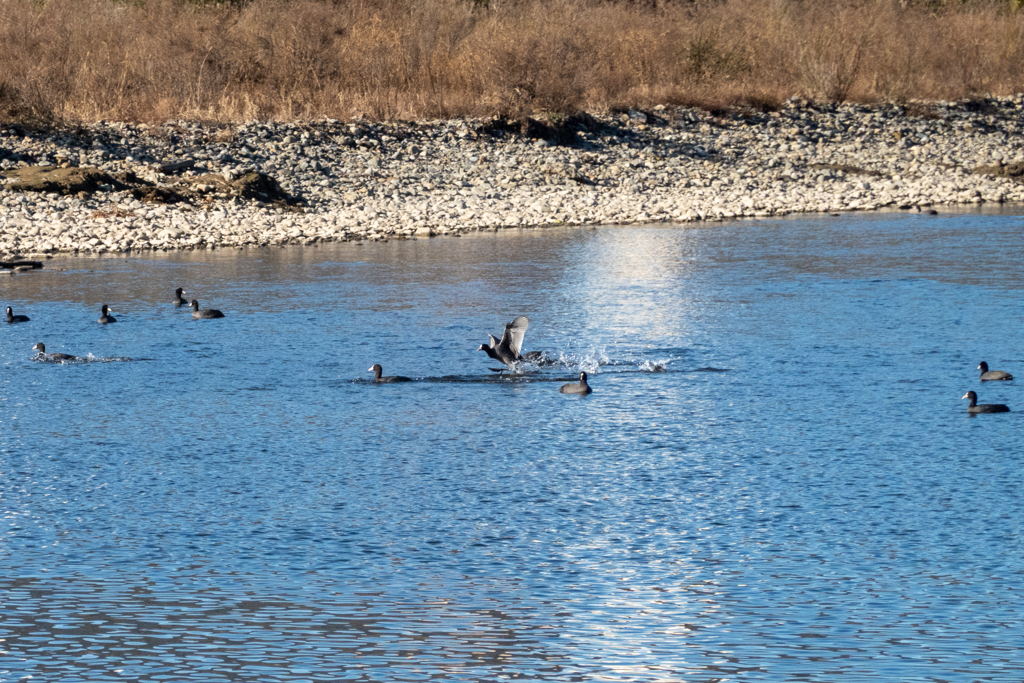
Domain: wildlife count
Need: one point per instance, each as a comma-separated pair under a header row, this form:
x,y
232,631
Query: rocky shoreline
x,y
123,188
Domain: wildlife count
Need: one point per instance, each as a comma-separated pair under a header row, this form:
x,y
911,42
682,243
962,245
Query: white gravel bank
x,y
400,180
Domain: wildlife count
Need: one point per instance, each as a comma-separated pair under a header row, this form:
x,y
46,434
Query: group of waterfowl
x,y
987,376
105,319
508,350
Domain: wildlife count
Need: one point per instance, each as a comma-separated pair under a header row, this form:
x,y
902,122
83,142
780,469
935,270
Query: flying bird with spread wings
x,y
508,349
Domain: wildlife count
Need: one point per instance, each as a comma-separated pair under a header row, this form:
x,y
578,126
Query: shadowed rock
x,y
251,185
156,195
1015,170
64,181
75,180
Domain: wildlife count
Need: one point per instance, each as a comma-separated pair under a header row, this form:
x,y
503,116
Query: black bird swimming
x,y
205,313
11,318
178,299
990,375
57,357
106,318
507,349
377,371
573,388
974,407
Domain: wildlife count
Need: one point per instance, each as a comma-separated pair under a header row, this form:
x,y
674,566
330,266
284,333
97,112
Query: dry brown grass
x,y
299,59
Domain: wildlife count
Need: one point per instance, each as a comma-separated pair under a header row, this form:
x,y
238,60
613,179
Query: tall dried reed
x,y
300,59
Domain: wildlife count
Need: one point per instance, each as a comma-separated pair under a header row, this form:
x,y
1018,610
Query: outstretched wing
x,y
494,340
514,333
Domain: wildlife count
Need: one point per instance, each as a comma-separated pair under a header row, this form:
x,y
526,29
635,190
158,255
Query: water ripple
x,y
774,478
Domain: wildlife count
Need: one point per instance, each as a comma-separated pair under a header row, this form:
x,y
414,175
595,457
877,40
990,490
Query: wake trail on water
x,y
82,360
565,365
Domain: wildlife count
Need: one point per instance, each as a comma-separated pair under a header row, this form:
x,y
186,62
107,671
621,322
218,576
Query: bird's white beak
x,y
369,369
963,397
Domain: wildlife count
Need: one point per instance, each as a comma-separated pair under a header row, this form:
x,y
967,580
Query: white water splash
x,y
588,360
653,365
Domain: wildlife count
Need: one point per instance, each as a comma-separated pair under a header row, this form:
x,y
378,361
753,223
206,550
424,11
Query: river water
x,y
774,479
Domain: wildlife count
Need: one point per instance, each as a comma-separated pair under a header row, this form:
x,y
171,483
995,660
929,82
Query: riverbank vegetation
x,y
152,60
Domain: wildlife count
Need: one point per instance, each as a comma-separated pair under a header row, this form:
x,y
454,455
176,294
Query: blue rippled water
x,y
775,478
